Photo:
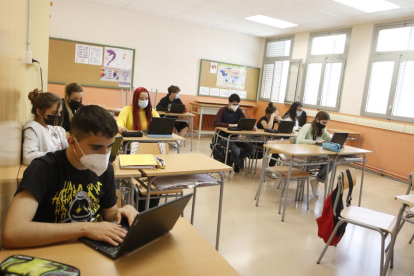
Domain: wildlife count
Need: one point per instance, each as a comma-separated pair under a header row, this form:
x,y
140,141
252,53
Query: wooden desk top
x,y
181,252
153,139
187,164
187,114
350,132
124,173
299,149
407,199
221,103
352,150
259,132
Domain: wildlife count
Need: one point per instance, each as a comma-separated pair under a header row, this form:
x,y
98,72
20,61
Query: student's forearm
x,y
31,234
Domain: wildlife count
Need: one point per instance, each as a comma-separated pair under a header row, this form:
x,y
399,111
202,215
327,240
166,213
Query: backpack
x,y
219,153
327,221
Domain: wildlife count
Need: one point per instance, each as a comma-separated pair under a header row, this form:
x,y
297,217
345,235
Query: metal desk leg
x,y
263,177
220,210
193,207
192,133
326,180
362,180
178,147
287,188
200,120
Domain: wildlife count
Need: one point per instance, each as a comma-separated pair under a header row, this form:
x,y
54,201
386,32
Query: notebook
x,y
148,226
137,161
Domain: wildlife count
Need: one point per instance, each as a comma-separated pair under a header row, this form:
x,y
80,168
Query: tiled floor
x,y
255,241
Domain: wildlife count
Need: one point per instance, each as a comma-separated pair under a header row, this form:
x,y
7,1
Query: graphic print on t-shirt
x,y
74,204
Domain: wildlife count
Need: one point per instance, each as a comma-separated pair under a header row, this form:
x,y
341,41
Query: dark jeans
x,y
248,150
272,162
322,171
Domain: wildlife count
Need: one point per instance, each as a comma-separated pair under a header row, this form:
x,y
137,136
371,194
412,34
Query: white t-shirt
x,y
56,140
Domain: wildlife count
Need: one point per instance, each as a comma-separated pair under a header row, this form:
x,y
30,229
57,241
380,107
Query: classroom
x,y
316,67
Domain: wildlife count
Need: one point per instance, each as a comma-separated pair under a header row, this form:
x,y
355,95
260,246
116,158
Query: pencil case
x,y
331,146
132,134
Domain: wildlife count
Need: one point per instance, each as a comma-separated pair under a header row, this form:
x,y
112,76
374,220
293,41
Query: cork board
x,y
209,79
63,69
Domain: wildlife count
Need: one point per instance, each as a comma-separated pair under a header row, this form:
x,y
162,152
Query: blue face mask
x,y
177,96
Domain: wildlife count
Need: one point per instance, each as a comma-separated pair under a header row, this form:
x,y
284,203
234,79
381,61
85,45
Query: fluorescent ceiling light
x,y
271,21
369,5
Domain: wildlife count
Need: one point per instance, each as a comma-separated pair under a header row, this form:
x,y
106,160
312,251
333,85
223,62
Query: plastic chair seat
x,y
380,220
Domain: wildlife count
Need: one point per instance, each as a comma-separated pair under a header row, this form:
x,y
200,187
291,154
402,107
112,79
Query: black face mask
x,y
320,126
74,105
50,120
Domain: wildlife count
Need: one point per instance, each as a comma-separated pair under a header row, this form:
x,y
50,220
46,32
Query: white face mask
x,y
143,104
298,113
98,163
234,107
177,96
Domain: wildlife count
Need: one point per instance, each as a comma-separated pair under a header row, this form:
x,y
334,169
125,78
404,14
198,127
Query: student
x,y
44,134
295,114
268,121
71,103
63,192
165,104
315,133
138,116
229,116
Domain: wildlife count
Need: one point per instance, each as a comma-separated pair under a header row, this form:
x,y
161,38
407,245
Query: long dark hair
x,y
292,111
321,115
135,108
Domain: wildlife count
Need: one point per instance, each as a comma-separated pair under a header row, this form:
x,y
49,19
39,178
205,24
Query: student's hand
x,y
122,129
106,231
232,125
254,128
127,211
320,141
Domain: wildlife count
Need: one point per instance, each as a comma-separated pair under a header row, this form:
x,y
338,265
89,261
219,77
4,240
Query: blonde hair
x,y
69,89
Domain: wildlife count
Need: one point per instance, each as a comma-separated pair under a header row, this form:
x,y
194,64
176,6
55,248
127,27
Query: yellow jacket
x,y
126,118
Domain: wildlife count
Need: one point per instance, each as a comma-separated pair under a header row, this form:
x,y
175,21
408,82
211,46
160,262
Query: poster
x,y
108,74
243,94
204,90
214,92
118,58
125,78
224,93
82,53
231,76
213,68
95,55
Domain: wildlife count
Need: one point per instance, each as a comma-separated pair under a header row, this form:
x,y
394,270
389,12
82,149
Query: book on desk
x,y
137,161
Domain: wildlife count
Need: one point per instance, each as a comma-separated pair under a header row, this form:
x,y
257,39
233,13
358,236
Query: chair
x,y
382,223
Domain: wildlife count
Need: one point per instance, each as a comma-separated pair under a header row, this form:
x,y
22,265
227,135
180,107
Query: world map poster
x,y
231,76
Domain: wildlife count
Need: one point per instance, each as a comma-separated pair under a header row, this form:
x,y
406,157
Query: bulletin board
x,y
77,61
221,79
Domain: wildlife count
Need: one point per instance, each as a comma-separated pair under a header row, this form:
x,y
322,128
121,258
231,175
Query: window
x,y
275,73
390,84
325,70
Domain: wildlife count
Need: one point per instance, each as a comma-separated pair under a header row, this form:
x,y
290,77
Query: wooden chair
x,y
382,223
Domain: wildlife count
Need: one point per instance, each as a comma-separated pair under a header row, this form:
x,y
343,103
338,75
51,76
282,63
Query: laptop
x,y
246,124
286,126
148,226
339,138
177,108
161,127
115,148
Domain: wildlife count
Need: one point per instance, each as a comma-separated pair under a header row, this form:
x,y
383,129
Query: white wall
x,y
168,51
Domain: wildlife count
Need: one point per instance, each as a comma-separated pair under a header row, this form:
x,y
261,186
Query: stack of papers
x,y
184,181
137,161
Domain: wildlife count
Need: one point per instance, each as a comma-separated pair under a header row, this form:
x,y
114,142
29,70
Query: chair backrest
x,y
344,181
152,148
410,183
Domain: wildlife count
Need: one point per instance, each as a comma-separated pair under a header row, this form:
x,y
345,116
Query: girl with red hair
x,y
138,116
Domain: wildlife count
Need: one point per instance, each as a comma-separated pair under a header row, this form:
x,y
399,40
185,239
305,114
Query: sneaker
x,y
272,175
236,168
315,187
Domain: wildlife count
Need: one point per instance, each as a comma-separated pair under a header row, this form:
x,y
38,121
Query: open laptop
x,y
286,126
246,124
115,148
177,108
161,127
148,226
339,138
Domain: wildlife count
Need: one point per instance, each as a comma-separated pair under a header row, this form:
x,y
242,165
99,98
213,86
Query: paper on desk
x,y
184,181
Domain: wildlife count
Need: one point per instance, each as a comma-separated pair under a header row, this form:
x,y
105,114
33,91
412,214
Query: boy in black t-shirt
x,y
73,185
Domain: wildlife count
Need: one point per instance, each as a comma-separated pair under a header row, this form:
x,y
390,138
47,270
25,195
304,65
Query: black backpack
x,y
219,153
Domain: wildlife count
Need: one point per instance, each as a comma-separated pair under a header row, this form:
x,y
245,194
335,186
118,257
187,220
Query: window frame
x,y
326,59
397,57
272,60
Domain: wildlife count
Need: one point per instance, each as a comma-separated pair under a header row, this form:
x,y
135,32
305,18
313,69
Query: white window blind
x,y
328,45
278,48
313,77
280,80
404,94
396,39
379,87
331,82
267,80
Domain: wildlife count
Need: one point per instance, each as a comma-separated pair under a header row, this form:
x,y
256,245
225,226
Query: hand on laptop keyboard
x,y
105,231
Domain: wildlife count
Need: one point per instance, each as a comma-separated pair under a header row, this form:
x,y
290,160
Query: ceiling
x,y
310,15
